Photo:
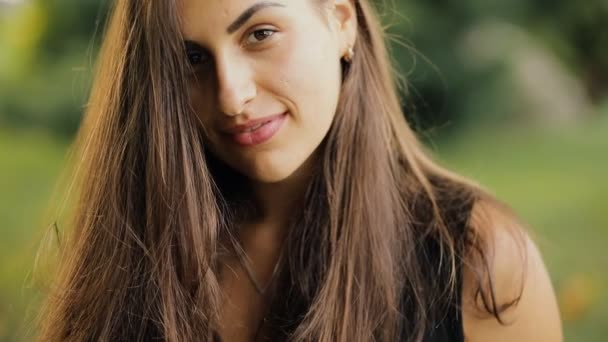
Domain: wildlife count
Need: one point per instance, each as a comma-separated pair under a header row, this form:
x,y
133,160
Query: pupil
x,y
261,34
195,58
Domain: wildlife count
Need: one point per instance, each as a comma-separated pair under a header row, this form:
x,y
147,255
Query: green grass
x,y
556,181
554,178
29,164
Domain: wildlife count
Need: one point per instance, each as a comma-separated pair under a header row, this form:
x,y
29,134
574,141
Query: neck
x,y
276,203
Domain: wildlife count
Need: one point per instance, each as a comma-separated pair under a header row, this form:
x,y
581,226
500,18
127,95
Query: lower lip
x,y
261,134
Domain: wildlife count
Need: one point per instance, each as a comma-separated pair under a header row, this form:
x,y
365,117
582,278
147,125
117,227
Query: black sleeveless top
x,y
445,315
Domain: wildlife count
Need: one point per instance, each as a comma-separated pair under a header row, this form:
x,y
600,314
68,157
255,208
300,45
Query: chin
x,y
273,165
269,173
277,168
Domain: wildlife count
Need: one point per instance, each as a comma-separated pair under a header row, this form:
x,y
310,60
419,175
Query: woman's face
x,y
266,78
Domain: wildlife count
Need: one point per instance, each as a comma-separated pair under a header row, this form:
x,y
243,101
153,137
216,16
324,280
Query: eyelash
x,y
266,30
198,58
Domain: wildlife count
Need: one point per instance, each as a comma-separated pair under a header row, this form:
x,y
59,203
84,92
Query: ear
x,y
344,16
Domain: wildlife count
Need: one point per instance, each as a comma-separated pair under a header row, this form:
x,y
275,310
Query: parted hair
x,y
151,205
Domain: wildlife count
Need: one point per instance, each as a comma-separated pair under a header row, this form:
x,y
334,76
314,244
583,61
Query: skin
x,y
294,69
251,73
536,316
249,76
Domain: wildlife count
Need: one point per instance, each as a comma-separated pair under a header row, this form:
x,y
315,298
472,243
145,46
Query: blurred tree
x,y
20,34
577,33
52,46
449,88
46,81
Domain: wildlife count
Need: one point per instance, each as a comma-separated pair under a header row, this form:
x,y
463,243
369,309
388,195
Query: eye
x,y
258,36
196,56
199,62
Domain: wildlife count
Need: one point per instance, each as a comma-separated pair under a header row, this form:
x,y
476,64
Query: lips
x,y
257,131
251,124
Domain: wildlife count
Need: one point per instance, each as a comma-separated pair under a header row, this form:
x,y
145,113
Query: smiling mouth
x,y
252,125
253,128
258,133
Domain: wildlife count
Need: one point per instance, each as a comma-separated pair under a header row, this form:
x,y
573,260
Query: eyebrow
x,y
242,19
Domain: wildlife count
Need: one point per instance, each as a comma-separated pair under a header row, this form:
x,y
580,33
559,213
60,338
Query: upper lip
x,y
250,123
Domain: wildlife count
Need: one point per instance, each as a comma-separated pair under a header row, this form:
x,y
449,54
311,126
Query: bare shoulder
x,y
516,281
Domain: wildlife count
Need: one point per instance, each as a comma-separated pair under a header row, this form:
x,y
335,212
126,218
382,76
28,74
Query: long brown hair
x,y
140,260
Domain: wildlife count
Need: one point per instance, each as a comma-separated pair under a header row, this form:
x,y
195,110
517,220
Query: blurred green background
x,y
511,93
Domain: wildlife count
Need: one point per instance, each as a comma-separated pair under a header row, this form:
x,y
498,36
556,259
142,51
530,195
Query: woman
x,y
246,174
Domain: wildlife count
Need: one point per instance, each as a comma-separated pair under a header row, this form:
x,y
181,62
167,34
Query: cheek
x,y
307,73
201,99
203,106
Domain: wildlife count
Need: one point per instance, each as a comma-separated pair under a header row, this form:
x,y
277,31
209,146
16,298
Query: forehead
x,y
213,8
214,16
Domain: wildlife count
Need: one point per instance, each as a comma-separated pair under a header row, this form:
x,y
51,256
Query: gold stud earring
x,y
350,54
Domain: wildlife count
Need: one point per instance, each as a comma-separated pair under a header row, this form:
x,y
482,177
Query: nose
x,y
236,87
